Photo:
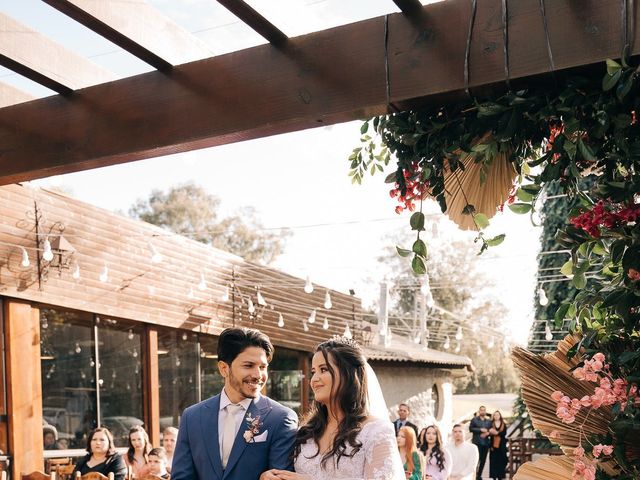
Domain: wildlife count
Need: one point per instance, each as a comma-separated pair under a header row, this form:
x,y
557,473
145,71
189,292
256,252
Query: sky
x,y
296,180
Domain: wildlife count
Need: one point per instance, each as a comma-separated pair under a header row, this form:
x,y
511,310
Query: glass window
x,y
285,379
121,394
435,402
211,381
178,374
69,402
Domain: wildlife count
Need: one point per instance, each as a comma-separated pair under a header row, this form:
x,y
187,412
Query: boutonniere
x,y
254,427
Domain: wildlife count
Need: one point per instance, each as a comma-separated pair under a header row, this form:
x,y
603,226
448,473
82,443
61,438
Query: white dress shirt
x,y
238,417
464,460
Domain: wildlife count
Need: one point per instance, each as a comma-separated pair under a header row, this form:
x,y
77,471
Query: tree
x,y
457,287
189,210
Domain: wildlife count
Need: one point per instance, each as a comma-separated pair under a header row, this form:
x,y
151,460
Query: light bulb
x,y
156,256
312,316
428,300
76,272
130,334
305,327
327,301
308,286
280,320
104,276
479,350
447,343
202,285
548,336
347,332
184,336
325,324
47,254
250,307
261,300
490,343
78,349
190,293
459,334
543,300
425,288
25,258
457,350
417,338
225,294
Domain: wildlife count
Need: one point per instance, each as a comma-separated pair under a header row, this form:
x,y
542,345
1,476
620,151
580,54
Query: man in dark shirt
x,y
480,426
403,416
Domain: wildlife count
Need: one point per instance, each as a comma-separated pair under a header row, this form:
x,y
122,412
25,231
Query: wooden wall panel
x,y
152,382
153,293
22,323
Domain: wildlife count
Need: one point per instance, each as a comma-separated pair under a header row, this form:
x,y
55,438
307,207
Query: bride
x,y
344,436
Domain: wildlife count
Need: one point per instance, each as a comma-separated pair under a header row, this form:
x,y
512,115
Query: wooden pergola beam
x,y
32,55
10,95
138,28
255,20
318,79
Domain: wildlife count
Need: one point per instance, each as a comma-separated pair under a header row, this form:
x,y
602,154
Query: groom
x,y
237,434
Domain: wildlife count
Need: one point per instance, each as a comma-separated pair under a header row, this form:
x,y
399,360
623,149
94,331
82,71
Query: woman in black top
x,y
102,456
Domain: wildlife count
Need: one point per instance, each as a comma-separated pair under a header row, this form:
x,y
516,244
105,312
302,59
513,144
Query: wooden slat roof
x,y
396,61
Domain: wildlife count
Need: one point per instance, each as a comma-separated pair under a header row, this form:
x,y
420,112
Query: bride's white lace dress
x,y
378,459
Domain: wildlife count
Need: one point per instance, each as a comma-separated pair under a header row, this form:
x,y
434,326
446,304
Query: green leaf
x,y
417,221
579,281
585,151
420,248
560,315
495,241
570,148
364,128
520,208
523,195
481,220
567,268
609,81
403,252
417,265
613,66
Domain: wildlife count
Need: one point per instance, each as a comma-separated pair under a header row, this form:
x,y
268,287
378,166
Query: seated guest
x,y
137,454
50,437
101,456
158,462
169,437
409,453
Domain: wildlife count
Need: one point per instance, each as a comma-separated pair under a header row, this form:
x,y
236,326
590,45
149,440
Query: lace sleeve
x,y
382,457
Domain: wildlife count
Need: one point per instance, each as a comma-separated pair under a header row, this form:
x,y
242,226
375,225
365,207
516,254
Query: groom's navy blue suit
x,y
197,452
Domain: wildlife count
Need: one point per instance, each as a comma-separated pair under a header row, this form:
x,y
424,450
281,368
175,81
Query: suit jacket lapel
x,y
209,423
262,409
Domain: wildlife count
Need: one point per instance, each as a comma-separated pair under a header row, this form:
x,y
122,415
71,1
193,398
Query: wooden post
x,y
151,376
24,380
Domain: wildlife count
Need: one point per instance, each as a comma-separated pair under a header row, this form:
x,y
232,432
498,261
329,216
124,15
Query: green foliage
x,y
584,129
190,211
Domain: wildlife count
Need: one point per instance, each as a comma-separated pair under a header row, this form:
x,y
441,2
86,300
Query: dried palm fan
x,y
546,468
541,376
462,186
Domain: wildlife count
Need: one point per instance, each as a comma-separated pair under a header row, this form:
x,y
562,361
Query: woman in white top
x,y
339,438
437,458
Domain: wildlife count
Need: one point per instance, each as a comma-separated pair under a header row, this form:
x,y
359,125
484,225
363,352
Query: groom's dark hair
x,y
234,341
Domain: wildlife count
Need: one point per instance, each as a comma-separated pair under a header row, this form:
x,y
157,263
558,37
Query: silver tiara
x,y
346,340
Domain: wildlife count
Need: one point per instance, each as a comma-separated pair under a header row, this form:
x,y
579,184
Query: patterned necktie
x,y
229,432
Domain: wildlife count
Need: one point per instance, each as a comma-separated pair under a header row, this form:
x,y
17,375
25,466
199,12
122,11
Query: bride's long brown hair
x,y
350,398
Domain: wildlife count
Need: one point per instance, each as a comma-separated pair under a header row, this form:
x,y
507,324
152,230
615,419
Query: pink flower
x,y
578,451
607,449
556,396
585,401
599,357
553,434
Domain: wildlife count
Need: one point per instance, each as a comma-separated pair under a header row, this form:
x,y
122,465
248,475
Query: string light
x,y
347,331
312,316
104,276
305,327
225,294
457,350
25,258
447,343
156,256
479,350
548,335
76,272
280,320
543,300
47,254
202,286
327,301
260,299
459,334
325,324
308,286
490,343
250,307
